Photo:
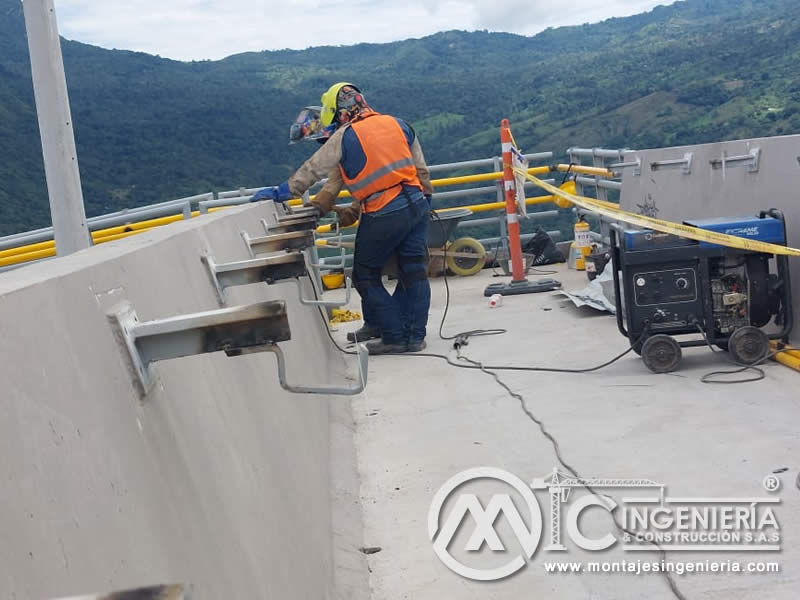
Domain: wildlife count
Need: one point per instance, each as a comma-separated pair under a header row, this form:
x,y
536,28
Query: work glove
x,y
280,193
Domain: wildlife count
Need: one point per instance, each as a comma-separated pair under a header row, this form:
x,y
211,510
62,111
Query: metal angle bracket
x,y
752,159
684,163
269,270
232,330
281,242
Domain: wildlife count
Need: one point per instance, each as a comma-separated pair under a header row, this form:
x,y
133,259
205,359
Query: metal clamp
x,y
752,159
325,303
231,330
684,163
267,269
363,371
281,242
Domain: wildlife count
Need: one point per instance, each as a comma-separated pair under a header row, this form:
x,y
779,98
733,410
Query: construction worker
x,y
379,159
308,127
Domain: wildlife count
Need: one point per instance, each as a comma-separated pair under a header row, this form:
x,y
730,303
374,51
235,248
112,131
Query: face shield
x,y
308,126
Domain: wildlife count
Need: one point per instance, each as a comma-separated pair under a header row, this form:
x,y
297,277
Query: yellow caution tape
x,y
612,211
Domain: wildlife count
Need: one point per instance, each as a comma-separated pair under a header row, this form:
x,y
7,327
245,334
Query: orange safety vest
x,y
389,163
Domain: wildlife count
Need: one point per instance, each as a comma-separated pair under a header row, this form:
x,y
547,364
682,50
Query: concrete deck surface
x,y
421,422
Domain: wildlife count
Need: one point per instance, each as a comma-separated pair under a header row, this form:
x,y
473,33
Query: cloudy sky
x,y
213,29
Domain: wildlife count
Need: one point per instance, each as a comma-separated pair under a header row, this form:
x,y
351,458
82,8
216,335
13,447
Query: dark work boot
x,y
367,332
416,346
378,347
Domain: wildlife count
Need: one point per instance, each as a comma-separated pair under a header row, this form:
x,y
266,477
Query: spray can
x,y
582,247
495,301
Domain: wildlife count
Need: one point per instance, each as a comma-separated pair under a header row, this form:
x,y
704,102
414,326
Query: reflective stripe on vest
x,y
389,162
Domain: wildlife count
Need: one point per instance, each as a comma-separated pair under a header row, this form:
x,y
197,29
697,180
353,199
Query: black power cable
x,y
462,339
709,377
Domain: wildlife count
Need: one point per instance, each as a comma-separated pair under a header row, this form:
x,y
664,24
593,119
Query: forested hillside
x,y
150,129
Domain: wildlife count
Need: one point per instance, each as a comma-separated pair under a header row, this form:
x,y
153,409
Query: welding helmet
x,y
308,126
342,103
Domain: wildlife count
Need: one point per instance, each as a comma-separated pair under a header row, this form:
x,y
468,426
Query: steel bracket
x,y
232,330
290,223
360,386
268,269
281,242
325,303
684,163
635,164
752,160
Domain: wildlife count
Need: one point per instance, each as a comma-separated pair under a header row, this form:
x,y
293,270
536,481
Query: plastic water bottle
x,y
495,301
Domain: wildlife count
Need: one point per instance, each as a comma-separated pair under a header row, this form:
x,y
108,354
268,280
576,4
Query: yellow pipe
x,y
787,359
119,236
27,257
599,171
476,208
28,249
473,179
790,350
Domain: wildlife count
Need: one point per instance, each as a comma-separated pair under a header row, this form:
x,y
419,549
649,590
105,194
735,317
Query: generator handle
x,y
615,264
783,274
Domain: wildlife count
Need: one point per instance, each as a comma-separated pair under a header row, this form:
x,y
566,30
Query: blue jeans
x,y
400,228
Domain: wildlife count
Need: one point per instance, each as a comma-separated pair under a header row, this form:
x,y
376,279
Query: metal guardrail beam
x,y
600,152
603,183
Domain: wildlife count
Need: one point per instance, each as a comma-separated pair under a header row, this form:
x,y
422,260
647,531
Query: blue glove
x,y
280,193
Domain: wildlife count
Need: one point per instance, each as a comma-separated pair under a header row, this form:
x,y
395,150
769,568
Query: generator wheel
x,y
661,353
748,345
464,265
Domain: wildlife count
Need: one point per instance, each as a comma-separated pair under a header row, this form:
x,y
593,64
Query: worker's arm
x,y
326,200
422,168
321,163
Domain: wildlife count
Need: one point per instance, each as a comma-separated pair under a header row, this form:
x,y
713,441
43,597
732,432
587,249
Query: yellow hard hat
x,y
329,102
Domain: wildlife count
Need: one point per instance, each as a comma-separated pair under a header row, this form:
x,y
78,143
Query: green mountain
x,y
150,129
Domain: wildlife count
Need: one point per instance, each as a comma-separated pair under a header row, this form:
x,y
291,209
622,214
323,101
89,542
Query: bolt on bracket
x,y
230,330
267,269
281,242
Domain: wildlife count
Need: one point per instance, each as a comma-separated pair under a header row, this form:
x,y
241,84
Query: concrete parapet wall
x,y
706,191
217,479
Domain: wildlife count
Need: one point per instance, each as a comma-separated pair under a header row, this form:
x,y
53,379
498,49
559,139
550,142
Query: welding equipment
x,y
667,286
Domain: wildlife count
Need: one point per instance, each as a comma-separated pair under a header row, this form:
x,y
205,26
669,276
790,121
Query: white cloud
x,y
213,29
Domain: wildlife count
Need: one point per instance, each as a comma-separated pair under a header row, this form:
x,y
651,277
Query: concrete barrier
x,y
758,174
218,479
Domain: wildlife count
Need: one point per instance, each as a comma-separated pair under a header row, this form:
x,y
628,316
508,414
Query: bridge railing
x,y
33,246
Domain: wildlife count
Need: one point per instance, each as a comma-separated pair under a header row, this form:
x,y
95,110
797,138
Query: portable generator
x,y
666,286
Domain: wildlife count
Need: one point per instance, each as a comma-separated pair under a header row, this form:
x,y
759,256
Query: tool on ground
x,y
667,286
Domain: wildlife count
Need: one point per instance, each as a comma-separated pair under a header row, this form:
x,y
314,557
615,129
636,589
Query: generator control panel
x,y
669,286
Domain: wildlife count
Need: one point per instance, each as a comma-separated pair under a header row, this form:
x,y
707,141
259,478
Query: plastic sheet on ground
x,y
599,294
